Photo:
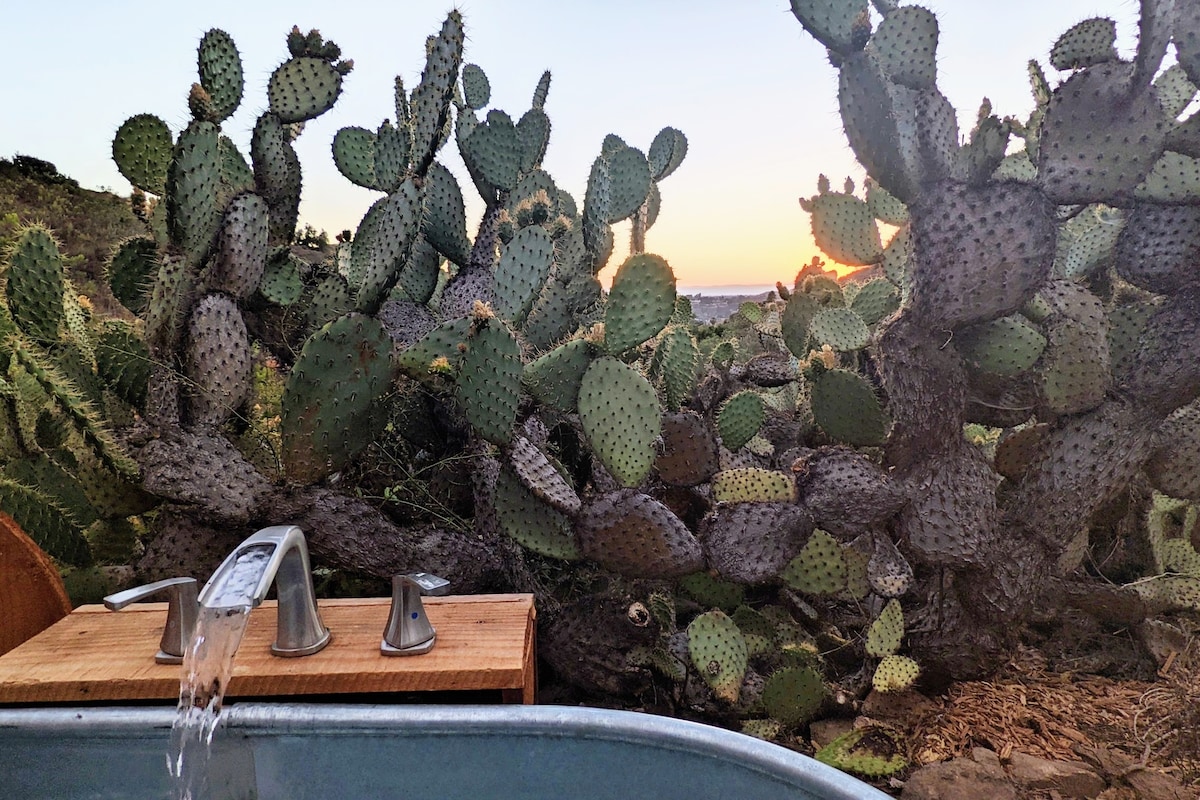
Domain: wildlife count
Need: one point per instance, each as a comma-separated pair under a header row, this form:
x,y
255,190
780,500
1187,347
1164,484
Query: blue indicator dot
x,y
415,615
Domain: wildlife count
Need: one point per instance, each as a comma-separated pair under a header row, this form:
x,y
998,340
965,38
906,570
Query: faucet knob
x,y
182,610
408,632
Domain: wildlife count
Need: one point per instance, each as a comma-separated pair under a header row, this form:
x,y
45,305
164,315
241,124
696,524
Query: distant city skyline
x,y
754,94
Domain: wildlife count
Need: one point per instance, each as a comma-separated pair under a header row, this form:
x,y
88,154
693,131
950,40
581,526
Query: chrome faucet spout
x,y
277,555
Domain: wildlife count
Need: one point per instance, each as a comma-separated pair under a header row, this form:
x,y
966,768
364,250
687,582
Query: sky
x,y
754,94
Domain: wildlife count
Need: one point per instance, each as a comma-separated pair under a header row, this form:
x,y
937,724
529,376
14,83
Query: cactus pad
x,y
712,591
635,535
142,151
218,359
621,418
752,542
689,452
885,633
840,328
554,377
241,256
530,522
875,300
794,695
523,268
819,568
666,152
753,485
489,380
872,752
740,418
895,674
845,407
493,149
906,44
640,303
354,156
35,284
1159,247
845,491
844,228
331,399
718,653
220,69
541,476
832,23
1006,346
1085,43
303,88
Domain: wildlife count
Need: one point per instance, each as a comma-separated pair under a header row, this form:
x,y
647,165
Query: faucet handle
x,y
408,632
182,610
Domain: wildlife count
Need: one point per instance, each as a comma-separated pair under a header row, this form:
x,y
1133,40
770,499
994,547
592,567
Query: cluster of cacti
x,y
64,379
800,484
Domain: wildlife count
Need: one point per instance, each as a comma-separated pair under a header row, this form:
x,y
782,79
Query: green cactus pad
x,y
193,212
640,303
876,300
477,89
840,328
391,156
331,401
869,115
753,542
832,23
1086,242
718,653
530,522
630,175
218,360
276,176
635,535
554,377
897,256
303,88
795,321
220,69
713,592
533,132
883,206
142,149
396,225
666,153
241,257
844,228
489,380
445,218
885,633
1125,326
794,695
740,418
819,568
680,360
281,283
35,284
354,156
430,103
1006,346
845,407
123,362
872,752
493,149
621,418
50,526
330,300
130,271
858,588
906,44
1084,44
895,674
1084,157
523,268
753,485
438,352
1175,178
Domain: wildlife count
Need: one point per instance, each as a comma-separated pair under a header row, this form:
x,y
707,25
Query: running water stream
x,y
207,667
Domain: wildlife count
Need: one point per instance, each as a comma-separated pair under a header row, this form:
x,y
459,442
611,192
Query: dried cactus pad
x,y
752,542
872,752
895,674
635,535
753,484
541,476
718,652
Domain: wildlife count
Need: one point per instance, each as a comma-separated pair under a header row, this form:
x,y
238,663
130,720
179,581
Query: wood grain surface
x,y
32,597
483,642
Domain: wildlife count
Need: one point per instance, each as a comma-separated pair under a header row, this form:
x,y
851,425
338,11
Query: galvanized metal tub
x,y
267,750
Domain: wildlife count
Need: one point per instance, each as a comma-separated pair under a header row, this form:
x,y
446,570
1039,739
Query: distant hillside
x,y
88,224
712,308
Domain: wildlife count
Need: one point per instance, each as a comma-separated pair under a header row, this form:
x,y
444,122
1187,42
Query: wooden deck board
x,y
483,642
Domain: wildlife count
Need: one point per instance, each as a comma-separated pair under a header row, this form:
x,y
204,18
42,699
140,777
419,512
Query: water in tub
x,y
207,666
